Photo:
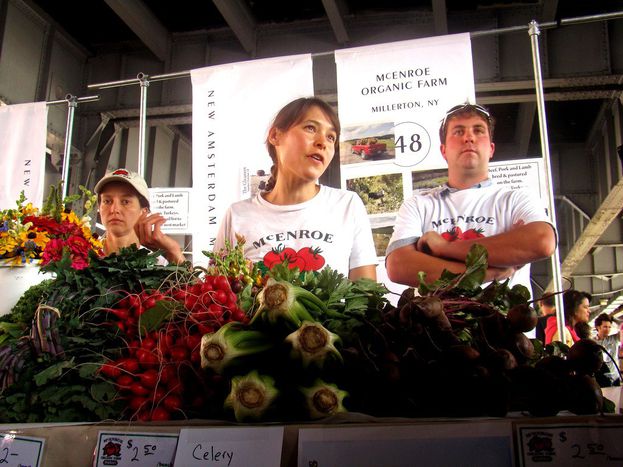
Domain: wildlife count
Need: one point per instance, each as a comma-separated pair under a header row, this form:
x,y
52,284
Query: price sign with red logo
x,y
137,449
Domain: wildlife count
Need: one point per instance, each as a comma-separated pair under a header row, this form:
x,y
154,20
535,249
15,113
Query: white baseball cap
x,y
125,176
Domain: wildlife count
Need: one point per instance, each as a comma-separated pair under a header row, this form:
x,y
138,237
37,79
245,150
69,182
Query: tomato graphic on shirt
x,y
314,261
306,259
472,234
453,234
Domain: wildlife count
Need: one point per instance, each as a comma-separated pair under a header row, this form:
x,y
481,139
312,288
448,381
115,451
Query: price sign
x,y
570,445
20,450
137,449
230,447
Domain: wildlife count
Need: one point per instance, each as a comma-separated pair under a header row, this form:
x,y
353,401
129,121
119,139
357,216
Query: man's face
x,y
119,208
603,330
468,147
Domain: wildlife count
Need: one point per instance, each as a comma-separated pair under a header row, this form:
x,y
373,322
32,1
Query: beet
x,y
521,347
522,318
501,360
584,395
585,356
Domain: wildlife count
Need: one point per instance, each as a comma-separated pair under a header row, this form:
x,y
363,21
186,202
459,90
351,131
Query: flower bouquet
x,y
51,234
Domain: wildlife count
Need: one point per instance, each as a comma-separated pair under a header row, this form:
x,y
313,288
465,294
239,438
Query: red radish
x,y
149,378
125,381
221,283
160,414
138,389
110,370
179,354
172,402
138,402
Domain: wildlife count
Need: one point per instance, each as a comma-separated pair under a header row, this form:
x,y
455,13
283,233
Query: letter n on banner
x,y
233,106
23,131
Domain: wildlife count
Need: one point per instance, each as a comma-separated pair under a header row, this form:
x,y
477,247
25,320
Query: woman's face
x,y
582,312
306,149
119,208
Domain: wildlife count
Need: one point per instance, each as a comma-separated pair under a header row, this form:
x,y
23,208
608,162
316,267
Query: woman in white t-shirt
x,y
296,219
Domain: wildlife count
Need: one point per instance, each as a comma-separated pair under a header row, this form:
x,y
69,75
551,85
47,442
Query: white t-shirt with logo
x,y
331,229
480,211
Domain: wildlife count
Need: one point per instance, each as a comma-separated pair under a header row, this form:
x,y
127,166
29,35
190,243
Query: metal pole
x,y
142,124
72,103
534,33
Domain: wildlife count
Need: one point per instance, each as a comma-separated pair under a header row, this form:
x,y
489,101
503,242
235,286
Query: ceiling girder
x,y
335,10
241,21
142,21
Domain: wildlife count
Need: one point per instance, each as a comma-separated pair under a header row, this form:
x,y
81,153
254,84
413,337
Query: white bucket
x,y
15,280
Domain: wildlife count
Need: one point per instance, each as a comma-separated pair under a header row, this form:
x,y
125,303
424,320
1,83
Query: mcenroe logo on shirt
x,y
316,235
464,219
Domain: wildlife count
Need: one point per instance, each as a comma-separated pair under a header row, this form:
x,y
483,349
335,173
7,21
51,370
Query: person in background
x,y
576,309
583,330
296,219
123,202
609,376
547,306
435,230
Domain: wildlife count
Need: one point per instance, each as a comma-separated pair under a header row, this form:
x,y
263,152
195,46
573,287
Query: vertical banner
x,y
233,106
391,100
23,131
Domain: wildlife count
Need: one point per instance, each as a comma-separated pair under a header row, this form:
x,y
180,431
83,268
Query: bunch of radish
x,y
158,372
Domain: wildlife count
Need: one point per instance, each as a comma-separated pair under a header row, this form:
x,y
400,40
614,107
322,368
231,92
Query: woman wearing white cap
x,y
123,199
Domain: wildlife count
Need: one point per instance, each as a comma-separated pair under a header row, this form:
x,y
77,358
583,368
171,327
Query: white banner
x,y
233,105
23,131
393,96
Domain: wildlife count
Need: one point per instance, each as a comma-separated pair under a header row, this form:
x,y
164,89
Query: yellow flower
x,y
37,238
7,244
71,217
29,210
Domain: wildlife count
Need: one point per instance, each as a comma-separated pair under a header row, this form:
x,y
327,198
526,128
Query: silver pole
x,y
534,33
72,103
142,124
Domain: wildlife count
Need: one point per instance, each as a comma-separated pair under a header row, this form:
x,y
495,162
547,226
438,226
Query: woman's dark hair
x,y
290,115
571,300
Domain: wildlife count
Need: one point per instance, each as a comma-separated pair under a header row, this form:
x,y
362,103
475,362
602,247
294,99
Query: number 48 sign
x,y
412,143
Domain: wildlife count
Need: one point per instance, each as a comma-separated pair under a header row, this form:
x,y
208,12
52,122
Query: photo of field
x,y
427,179
381,194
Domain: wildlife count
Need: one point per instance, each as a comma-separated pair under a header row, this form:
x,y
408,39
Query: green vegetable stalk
x,y
231,341
283,300
251,396
312,343
323,399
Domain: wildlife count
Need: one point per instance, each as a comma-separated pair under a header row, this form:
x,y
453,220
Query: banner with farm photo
x,y
233,106
391,100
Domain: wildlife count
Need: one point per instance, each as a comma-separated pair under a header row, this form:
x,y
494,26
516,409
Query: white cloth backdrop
x,y
398,93
23,130
233,105
404,89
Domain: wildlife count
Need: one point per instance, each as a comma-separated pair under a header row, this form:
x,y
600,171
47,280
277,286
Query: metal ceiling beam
x,y
548,13
142,21
606,213
335,10
440,17
240,19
